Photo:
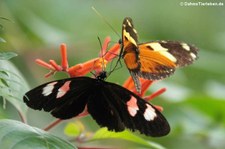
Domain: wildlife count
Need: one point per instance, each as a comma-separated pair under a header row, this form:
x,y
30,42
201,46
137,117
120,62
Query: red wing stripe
x,y
63,89
132,106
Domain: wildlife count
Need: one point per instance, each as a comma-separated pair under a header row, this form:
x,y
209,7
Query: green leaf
x,y
7,55
213,108
3,18
2,81
1,39
3,113
17,135
103,133
74,129
13,86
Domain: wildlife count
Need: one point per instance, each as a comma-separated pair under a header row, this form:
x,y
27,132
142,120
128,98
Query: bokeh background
x,y
194,102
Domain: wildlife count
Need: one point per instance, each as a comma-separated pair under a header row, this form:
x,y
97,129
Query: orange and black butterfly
x,y
153,60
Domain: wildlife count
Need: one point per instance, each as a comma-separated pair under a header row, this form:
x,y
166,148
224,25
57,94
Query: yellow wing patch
x,y
154,61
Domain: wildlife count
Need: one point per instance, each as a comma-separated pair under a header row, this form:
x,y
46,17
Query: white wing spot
x,y
185,46
163,51
47,90
135,31
128,22
149,113
132,106
193,55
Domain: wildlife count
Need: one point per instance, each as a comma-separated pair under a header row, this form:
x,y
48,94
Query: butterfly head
x,y
102,75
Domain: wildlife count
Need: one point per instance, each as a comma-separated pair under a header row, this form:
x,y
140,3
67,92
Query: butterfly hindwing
x,y
103,111
123,109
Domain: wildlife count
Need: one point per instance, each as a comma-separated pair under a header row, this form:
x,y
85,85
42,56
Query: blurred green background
x,y
194,103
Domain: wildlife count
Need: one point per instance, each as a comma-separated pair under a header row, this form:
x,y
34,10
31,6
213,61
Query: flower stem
x,y
53,124
23,119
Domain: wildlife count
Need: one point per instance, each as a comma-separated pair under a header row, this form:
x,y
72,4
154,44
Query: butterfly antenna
x,y
94,72
118,62
106,21
99,40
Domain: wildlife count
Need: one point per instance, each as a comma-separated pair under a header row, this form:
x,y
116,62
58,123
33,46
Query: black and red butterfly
x,y
109,104
153,60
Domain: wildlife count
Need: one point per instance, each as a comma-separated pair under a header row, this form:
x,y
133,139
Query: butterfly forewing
x,y
129,34
130,51
129,45
184,53
61,97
